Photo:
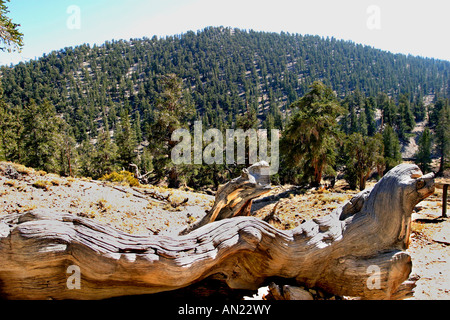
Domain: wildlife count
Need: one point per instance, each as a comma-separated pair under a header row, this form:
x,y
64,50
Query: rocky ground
x,y
158,210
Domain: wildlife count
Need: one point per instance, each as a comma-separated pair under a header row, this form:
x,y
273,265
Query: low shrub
x,y
122,177
42,184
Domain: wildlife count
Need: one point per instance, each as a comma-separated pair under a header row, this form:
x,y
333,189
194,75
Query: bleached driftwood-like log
x,y
357,250
235,197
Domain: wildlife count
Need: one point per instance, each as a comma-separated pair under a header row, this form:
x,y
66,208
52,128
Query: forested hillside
x,y
84,110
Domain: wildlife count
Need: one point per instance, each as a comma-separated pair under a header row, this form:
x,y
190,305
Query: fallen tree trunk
x,y
235,197
356,251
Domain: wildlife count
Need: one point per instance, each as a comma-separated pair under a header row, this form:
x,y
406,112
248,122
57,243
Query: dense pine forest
x,y
90,111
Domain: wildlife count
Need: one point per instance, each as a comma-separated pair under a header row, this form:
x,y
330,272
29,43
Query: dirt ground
x,y
158,210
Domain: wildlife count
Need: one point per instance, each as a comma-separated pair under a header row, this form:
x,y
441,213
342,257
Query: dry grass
x,y
42,184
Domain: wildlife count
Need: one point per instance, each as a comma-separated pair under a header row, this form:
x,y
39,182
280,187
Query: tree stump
x,y
357,250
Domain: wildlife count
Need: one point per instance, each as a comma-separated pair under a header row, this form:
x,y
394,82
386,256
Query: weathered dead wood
x,y
271,216
142,178
287,292
443,184
355,251
235,197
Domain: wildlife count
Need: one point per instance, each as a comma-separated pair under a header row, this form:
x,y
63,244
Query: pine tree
x,y
87,166
405,118
145,161
408,115
11,39
66,151
419,109
104,159
311,137
388,108
435,112
443,136
269,122
171,113
3,142
353,121
363,127
137,127
125,141
364,154
392,155
423,156
10,130
369,109
40,135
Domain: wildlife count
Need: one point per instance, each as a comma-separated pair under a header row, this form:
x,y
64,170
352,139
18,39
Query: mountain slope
x,y
226,71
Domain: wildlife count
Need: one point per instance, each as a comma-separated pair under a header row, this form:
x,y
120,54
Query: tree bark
x,y
357,250
235,197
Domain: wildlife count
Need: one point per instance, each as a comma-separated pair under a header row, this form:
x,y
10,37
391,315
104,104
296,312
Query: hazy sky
x,y
400,26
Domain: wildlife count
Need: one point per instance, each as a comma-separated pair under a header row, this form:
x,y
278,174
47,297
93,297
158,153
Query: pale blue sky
x,y
400,26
